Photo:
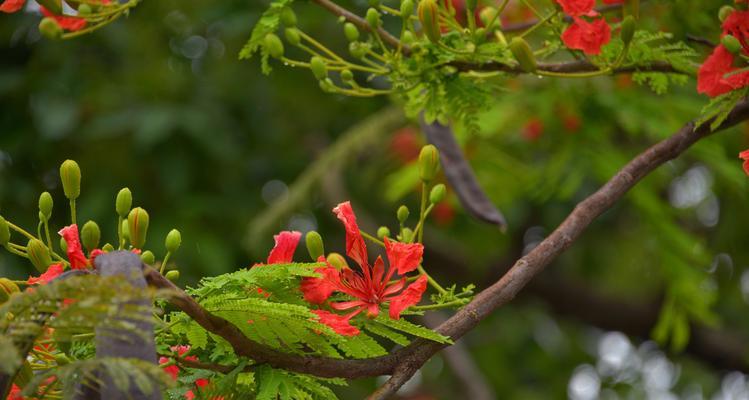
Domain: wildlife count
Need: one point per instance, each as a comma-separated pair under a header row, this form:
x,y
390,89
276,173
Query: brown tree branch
x,y
567,67
530,265
362,24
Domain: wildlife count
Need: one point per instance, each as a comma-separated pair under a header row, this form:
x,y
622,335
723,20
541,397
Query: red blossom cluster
x,y
66,22
76,257
173,371
370,287
588,35
718,74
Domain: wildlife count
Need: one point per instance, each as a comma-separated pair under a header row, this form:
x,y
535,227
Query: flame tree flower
x,y
370,286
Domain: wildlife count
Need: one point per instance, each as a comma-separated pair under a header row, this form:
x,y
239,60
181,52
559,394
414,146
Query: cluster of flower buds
x,y
81,247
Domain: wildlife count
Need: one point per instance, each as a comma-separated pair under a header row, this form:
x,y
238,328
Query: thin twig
x,y
362,24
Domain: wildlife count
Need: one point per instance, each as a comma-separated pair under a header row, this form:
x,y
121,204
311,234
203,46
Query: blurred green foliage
x,y
160,103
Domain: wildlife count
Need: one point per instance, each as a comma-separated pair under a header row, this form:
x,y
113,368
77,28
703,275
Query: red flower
x,y
533,129
744,155
75,252
339,323
405,145
15,393
371,286
11,6
283,251
717,74
578,8
587,36
173,370
68,23
52,272
737,25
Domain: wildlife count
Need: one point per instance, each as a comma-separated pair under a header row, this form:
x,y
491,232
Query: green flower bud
x,y
724,12
628,29
173,241
4,232
288,17
70,174
487,15
45,205
172,275
63,245
523,54
107,248
480,34
407,9
347,76
437,194
407,37
373,18
84,9
90,235
137,222
357,49
327,85
124,202
125,230
273,45
7,288
147,257
318,67
382,232
429,163
429,18
292,36
337,261
731,44
314,243
402,214
38,254
351,32
406,235
50,29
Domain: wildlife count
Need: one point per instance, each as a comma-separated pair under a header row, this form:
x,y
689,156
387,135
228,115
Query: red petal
x,y
11,6
577,8
75,252
355,247
317,290
403,257
283,251
52,272
339,323
15,393
347,305
408,298
587,36
710,76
